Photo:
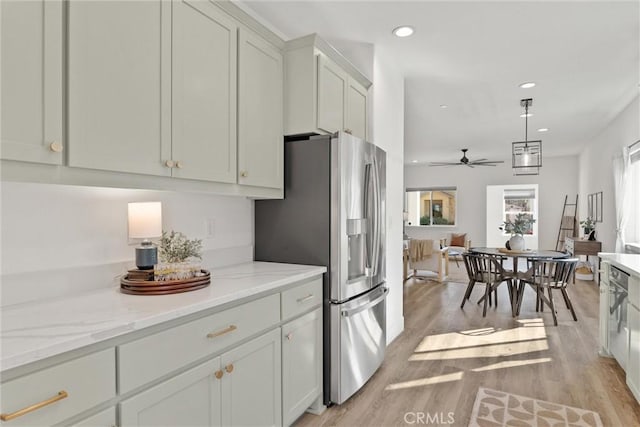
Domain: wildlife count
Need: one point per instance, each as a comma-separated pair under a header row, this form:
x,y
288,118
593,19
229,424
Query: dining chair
x,y
552,275
487,270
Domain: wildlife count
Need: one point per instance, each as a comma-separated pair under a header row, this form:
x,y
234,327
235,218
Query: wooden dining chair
x,y
487,270
551,275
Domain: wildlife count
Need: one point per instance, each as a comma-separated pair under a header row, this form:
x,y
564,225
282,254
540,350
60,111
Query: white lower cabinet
x,y
301,364
604,319
633,364
251,386
188,399
106,418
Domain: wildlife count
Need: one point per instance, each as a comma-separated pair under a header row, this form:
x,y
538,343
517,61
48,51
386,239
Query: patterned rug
x,y
494,408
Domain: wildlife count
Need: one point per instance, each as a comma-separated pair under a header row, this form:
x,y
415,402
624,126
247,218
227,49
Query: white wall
x,y
61,232
388,133
558,177
596,170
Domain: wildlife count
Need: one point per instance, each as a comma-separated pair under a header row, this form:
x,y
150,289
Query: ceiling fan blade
x,y
477,162
444,164
469,164
484,164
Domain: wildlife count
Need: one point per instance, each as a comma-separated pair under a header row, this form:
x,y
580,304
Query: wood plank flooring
x,y
444,354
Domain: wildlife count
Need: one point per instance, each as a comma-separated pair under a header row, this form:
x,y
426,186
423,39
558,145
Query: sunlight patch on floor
x,y
426,381
484,342
511,364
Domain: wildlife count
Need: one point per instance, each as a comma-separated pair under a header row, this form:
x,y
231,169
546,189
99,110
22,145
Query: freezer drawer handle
x,y
349,313
8,417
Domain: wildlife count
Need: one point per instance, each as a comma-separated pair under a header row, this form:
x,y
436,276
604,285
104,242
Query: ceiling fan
x,y
464,161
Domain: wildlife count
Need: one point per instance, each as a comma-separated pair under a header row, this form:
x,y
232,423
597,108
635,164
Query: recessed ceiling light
x,y
403,31
543,130
523,115
414,161
444,106
527,85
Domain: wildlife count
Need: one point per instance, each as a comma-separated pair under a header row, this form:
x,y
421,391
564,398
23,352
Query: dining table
x,y
519,276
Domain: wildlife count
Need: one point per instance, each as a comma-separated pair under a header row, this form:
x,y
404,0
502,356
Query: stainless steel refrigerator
x,y
333,214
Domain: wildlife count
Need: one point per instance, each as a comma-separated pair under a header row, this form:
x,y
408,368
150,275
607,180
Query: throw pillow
x,y
458,239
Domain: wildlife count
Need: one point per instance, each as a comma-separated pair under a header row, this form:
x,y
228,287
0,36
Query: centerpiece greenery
x,y
520,225
175,247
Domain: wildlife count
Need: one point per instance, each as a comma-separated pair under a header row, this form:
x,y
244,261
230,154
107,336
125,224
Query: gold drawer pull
x,y
231,328
8,417
229,368
219,374
304,299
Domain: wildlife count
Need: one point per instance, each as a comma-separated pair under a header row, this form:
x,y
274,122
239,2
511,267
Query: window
x,y
633,226
519,201
431,206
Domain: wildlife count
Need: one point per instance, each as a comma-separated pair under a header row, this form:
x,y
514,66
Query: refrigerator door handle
x,y
368,265
376,213
366,306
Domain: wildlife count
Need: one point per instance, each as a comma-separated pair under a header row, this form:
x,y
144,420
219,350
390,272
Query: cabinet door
x,y
332,86
356,109
119,86
31,34
189,399
604,315
260,106
301,364
633,365
204,92
106,418
251,386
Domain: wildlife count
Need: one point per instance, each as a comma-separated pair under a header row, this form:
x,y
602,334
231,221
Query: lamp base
x,y
146,256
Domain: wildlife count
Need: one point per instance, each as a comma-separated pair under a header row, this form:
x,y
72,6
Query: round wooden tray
x,y
166,287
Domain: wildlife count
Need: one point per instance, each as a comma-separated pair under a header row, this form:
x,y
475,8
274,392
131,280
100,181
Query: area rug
x,y
494,408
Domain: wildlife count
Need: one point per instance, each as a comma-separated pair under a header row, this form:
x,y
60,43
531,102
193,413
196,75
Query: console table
x,y
577,246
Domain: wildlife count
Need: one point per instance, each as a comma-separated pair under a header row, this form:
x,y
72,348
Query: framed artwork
x,y
598,217
590,208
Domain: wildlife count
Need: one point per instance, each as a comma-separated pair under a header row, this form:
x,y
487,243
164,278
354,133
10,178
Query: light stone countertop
x,y
627,262
34,331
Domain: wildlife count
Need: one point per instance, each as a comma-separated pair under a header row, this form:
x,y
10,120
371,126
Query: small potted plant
x,y
588,225
519,226
178,257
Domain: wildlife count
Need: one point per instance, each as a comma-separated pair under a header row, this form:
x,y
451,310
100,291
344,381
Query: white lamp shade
x,y
145,220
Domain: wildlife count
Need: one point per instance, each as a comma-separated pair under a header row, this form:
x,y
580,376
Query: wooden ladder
x,y
567,222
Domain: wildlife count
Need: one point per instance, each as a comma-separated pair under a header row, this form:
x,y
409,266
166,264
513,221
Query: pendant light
x,y
526,155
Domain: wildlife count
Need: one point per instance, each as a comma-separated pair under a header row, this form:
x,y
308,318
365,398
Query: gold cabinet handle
x,y
244,174
224,331
218,374
7,417
304,299
169,163
229,368
56,147
179,164
289,336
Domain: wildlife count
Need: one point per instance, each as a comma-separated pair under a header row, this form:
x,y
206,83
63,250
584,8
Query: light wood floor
x,y
444,354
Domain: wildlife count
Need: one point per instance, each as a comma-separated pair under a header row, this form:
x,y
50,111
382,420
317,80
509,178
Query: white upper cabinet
x,y
204,92
324,93
356,109
332,88
119,85
260,106
32,75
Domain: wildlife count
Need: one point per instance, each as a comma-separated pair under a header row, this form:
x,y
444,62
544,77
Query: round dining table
x,y
516,294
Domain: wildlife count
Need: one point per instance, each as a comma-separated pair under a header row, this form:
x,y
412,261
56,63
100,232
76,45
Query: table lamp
x,y
145,222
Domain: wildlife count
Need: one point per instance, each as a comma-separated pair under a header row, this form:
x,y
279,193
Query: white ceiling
x,y
471,56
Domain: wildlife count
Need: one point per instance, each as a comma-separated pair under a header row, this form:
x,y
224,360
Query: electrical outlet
x,y
209,228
